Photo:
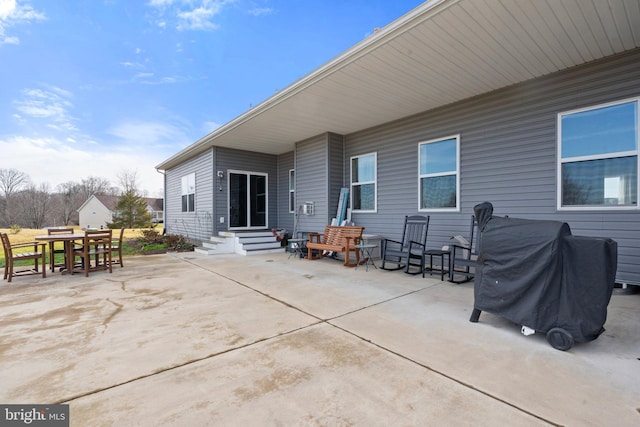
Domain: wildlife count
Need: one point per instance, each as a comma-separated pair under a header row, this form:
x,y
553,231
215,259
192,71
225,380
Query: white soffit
x,y
441,52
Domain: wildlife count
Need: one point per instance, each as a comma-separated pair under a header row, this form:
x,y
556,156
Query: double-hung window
x,y
188,192
363,183
598,157
438,174
292,190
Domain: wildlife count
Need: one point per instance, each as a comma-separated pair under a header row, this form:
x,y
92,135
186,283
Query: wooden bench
x,y
336,239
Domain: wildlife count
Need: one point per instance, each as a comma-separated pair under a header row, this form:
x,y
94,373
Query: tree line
x,y
27,205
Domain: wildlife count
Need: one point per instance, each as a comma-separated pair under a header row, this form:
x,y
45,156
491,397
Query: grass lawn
x,y
29,234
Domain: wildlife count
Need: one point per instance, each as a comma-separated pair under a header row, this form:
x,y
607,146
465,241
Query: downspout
x,y
164,201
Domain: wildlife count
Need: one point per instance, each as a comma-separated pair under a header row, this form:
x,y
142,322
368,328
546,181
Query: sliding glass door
x,y
247,200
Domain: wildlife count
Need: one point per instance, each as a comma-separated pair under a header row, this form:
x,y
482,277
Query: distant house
x,y
97,211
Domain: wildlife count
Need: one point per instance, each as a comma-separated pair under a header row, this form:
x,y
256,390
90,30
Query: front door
x,y
247,200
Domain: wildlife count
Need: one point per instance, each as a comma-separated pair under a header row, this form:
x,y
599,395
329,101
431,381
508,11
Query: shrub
x,y
15,229
177,242
150,236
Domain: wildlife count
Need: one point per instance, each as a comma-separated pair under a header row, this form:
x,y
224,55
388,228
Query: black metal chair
x,y
409,251
464,257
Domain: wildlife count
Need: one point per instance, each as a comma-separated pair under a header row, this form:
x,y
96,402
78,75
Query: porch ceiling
x,y
441,52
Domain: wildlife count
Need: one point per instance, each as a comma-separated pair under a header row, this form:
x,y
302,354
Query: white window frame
x,y
456,173
560,161
292,191
358,183
185,190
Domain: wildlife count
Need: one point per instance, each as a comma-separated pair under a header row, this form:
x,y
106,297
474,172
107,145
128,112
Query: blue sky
x,y
96,87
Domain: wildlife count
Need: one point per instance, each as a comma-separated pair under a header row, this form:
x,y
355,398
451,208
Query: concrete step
x,y
261,251
256,233
250,242
204,251
261,239
260,245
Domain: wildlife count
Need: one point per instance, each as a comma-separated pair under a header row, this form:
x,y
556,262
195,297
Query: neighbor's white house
x,y
97,211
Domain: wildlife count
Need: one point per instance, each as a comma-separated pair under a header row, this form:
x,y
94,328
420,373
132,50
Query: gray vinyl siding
x,y
248,161
285,218
335,172
311,181
197,226
507,157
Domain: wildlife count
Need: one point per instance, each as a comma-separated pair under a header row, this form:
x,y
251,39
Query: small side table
x,y
444,268
365,253
298,245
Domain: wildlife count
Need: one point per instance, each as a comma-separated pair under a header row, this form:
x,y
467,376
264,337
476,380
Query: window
x,y
292,190
438,170
363,183
598,157
189,193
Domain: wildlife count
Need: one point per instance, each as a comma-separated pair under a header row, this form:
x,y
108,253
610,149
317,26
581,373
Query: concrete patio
x,y
194,340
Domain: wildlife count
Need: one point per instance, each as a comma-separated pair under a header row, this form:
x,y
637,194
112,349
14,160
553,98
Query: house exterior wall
x,y
319,169
508,156
247,161
197,225
335,172
286,219
94,214
508,146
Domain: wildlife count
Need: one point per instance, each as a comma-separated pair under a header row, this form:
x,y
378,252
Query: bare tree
x,y
11,182
94,185
35,202
70,199
128,180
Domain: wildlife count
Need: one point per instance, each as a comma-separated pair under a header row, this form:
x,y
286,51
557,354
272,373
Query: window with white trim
x,y
188,192
598,157
292,191
363,182
438,173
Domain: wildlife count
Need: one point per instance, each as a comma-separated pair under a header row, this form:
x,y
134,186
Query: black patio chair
x,y
463,258
409,251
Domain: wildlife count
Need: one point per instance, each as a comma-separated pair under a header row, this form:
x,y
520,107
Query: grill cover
x,y
535,273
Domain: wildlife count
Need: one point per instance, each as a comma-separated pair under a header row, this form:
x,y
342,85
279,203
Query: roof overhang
x,y
441,52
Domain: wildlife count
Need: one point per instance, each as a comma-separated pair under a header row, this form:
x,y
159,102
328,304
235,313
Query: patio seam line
x,y
181,365
437,372
328,322
318,322
304,312
449,377
210,356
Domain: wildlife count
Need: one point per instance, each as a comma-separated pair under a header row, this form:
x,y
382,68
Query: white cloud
x,y
160,3
258,11
66,162
143,75
210,126
13,13
196,15
198,19
10,40
136,135
53,150
129,64
52,104
7,8
151,79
